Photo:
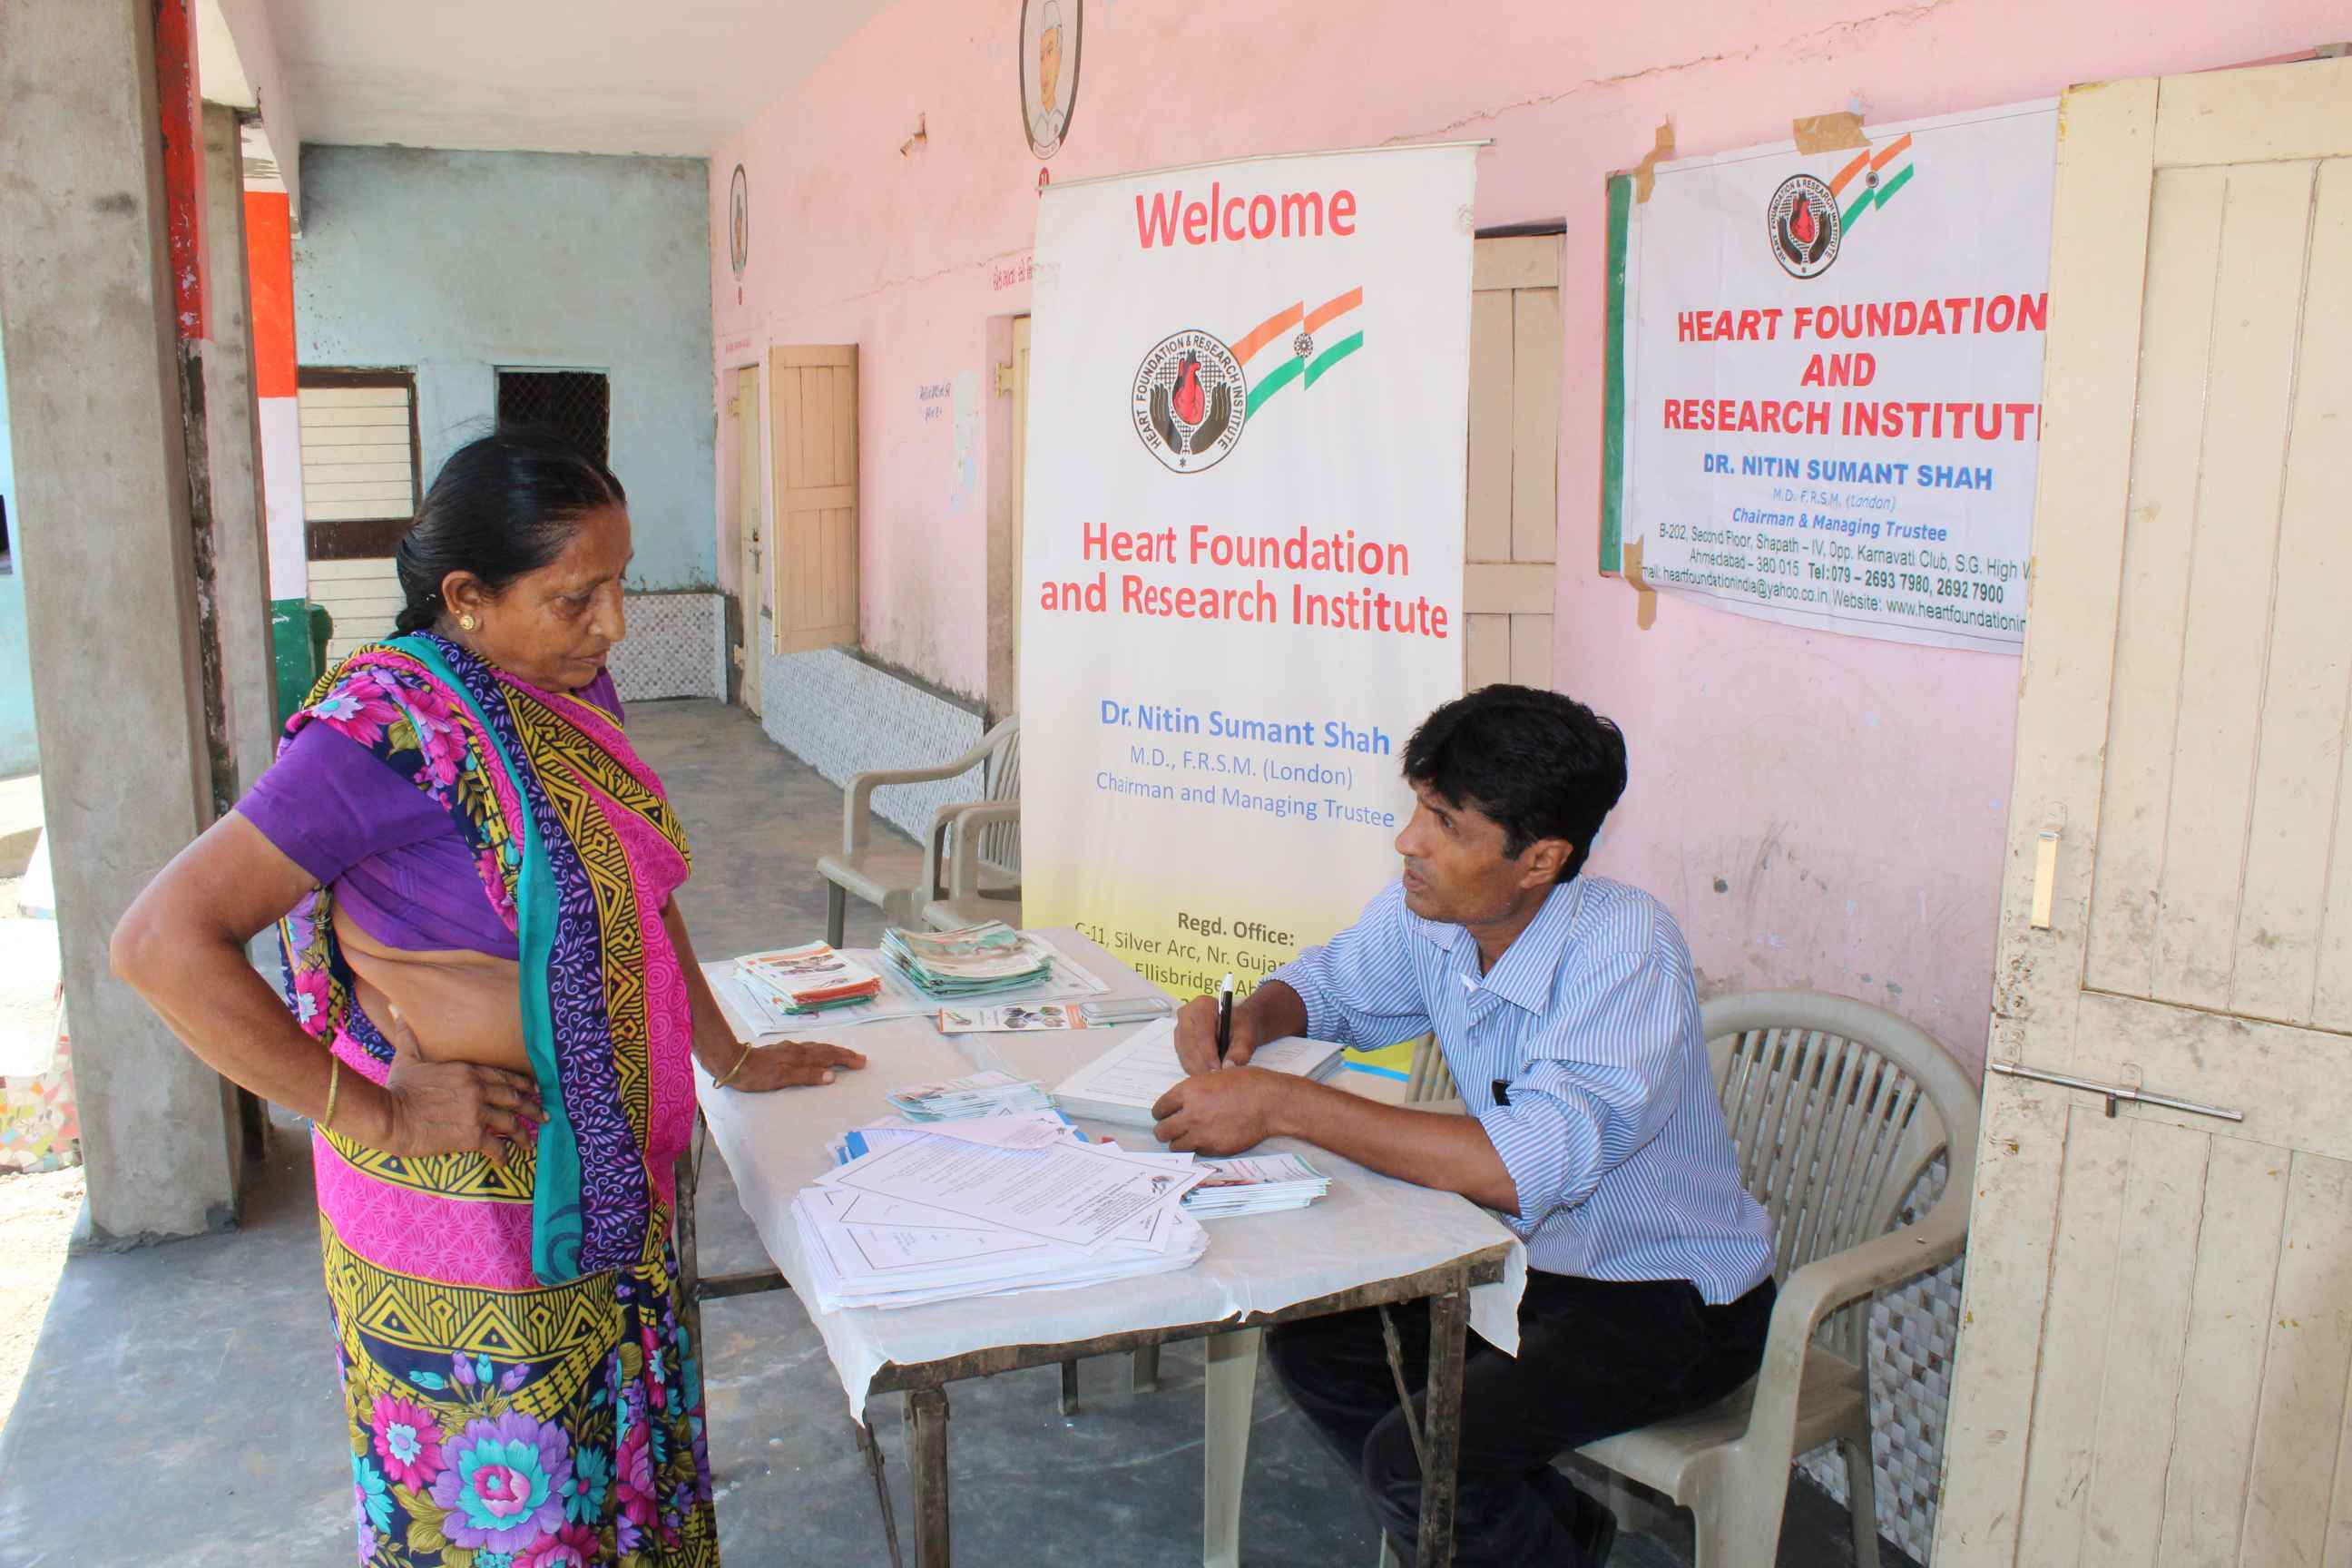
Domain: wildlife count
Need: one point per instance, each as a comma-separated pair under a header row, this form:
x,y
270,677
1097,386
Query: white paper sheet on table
x,y
1367,1228
1127,1079
904,1255
1078,1194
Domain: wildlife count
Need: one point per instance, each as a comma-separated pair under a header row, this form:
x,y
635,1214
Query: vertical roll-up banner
x,y
1242,550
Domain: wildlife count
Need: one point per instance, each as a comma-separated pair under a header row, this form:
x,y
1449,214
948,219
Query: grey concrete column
x,y
233,440
102,483
248,677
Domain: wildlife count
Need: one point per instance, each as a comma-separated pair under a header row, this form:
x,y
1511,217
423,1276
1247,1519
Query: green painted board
x,y
1612,401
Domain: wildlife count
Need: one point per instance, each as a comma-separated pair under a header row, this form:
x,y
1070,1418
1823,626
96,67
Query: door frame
x,y
1008,429
748,449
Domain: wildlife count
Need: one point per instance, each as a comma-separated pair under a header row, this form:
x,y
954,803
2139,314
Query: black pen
x,y
1224,1018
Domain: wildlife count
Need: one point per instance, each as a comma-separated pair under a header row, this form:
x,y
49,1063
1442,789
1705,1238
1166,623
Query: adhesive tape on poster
x,y
1643,176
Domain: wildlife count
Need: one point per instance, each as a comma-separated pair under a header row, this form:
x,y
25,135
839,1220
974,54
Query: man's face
x,y
1455,869
1049,68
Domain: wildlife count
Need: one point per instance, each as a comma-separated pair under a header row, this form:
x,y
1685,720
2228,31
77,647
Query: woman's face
x,y
553,626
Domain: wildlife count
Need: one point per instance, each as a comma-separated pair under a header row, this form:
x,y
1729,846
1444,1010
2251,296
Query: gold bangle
x,y
334,1087
735,1068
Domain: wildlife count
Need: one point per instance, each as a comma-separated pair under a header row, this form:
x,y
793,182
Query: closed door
x,y
758,628
1512,511
2157,1334
813,560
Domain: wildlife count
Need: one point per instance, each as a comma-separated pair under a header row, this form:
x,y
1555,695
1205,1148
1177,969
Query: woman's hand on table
x,y
453,1107
791,1064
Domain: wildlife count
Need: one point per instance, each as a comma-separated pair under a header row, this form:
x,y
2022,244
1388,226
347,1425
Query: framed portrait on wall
x,y
1051,31
739,223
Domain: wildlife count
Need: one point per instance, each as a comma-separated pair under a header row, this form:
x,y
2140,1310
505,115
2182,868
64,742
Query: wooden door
x,y
751,583
813,558
2157,1333
1513,512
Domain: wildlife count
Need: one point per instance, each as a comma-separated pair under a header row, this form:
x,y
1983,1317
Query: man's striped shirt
x,y
1609,1123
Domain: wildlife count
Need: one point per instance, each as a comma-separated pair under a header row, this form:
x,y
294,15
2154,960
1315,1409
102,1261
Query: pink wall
x,y
1818,810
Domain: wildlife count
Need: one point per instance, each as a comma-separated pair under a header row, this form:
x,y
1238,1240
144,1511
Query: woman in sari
x,y
491,1004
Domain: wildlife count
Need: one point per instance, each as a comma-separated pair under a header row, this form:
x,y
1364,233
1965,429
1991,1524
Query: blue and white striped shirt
x,y
1610,1127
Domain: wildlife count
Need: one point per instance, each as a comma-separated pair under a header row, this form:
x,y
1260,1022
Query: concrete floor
x,y
179,1407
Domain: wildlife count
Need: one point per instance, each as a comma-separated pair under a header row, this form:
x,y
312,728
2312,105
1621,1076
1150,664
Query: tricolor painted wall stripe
x,y
269,268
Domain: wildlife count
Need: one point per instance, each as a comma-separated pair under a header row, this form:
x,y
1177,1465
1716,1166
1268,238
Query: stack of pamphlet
x,y
1124,1083
970,961
1257,1183
991,1207
795,981
981,1094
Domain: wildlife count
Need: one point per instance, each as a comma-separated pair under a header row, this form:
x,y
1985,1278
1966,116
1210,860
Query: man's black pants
x,y
1596,1358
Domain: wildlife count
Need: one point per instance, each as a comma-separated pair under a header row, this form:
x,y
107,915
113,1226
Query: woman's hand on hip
x,y
791,1064
454,1107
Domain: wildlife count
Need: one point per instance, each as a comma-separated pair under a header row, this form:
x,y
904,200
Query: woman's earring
x,y
468,622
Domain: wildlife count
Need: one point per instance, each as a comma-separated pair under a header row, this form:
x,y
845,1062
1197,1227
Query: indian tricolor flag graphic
x,y
1311,356
1874,177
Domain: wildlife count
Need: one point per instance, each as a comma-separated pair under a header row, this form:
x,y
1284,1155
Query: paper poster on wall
x,y
1243,545
1833,378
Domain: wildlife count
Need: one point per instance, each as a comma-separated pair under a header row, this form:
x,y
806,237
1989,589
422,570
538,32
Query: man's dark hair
x,y
1542,765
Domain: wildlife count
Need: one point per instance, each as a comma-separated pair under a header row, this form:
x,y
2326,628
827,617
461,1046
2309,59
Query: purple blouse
x,y
395,860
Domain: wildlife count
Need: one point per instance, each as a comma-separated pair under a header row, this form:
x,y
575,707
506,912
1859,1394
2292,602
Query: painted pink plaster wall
x,y
1818,810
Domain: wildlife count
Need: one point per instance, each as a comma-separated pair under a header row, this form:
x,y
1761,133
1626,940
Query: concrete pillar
x,y
86,307
233,441
241,602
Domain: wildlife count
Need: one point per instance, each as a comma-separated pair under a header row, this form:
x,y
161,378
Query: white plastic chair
x,y
982,859
1836,1109
901,881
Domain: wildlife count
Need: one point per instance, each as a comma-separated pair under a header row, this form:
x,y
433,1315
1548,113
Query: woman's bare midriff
x,y
462,1006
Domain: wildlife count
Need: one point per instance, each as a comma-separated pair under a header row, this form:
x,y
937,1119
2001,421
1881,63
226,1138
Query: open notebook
x,y
1123,1083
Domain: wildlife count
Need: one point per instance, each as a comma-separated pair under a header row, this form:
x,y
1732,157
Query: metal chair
x,y
1837,1108
901,881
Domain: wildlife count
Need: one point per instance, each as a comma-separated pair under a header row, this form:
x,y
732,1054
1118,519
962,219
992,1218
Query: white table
x,y
1370,1241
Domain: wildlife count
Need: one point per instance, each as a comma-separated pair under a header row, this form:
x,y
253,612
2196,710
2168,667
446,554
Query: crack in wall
x,y
1796,45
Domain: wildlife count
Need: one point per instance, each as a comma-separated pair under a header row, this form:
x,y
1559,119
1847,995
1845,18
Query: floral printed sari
x,y
521,1389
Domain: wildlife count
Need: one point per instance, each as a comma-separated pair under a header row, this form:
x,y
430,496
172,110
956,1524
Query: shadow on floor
x,y
181,1407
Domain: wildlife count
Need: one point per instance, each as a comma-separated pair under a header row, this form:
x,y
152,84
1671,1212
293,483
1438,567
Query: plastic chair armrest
x,y
963,875
1824,1285
857,800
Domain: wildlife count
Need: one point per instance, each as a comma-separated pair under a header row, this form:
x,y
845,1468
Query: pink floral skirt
x,y
495,1422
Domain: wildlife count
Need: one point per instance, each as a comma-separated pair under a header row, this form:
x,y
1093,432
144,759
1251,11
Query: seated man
x,y
1567,1011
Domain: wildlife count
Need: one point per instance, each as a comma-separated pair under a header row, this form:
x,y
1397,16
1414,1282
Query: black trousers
x,y
1596,1358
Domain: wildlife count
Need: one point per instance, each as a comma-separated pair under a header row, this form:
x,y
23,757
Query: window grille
x,y
575,403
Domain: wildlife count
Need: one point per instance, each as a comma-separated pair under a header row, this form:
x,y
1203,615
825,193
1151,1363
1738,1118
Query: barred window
x,y
575,403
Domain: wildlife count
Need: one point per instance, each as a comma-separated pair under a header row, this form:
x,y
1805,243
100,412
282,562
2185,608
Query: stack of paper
x,y
797,981
860,1142
989,1207
1259,1184
1124,1083
970,961
980,1094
